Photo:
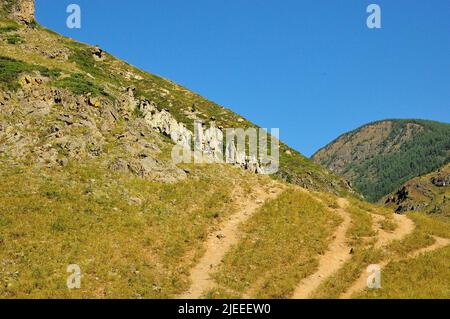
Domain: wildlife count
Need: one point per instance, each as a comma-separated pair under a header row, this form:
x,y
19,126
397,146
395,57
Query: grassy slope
x,y
420,277
88,216
426,276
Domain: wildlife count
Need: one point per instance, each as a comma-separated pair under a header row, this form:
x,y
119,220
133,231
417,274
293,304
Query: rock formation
x,y
208,144
441,181
20,10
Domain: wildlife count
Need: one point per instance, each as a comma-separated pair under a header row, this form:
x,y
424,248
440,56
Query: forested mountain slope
x,y
379,157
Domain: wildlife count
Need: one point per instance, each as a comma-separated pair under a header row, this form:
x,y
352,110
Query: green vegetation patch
x,y
10,69
14,39
80,84
85,61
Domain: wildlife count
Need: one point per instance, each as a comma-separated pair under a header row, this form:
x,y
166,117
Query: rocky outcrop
x,y
441,181
399,197
428,193
20,10
81,127
208,145
98,53
68,128
163,122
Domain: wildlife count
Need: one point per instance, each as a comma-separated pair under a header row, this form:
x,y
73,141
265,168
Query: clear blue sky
x,y
311,68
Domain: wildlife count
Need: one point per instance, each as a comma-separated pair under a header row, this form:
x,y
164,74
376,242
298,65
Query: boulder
x,y
98,53
441,181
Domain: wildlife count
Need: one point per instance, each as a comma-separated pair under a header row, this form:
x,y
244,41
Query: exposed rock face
x,y
96,117
73,128
208,144
164,123
400,196
399,199
20,10
441,181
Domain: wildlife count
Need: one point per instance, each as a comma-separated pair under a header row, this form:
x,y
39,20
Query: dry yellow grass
x,y
280,246
132,238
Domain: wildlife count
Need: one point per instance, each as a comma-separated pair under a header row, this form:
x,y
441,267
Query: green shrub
x,y
10,69
85,61
14,39
33,24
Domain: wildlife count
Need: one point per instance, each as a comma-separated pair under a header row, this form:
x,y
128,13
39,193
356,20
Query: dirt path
x,y
439,243
361,283
338,253
219,242
405,226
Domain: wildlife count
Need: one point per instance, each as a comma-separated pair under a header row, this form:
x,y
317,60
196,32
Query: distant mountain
x,y
429,193
379,157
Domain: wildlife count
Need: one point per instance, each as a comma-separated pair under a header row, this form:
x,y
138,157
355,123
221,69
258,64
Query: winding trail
x,y
337,254
405,226
361,283
220,242
439,243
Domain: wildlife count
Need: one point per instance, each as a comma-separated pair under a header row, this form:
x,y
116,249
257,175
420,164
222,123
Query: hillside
x,y
429,193
379,157
61,69
87,180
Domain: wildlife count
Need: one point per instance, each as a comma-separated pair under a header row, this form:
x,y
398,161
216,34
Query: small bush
x,y
33,24
14,39
85,61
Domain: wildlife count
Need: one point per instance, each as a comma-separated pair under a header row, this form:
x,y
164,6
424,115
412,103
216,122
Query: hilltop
x,y
379,157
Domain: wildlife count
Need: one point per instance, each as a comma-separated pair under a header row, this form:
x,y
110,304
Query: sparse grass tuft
x,y
80,84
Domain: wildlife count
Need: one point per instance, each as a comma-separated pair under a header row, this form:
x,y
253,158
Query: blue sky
x,y
311,68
